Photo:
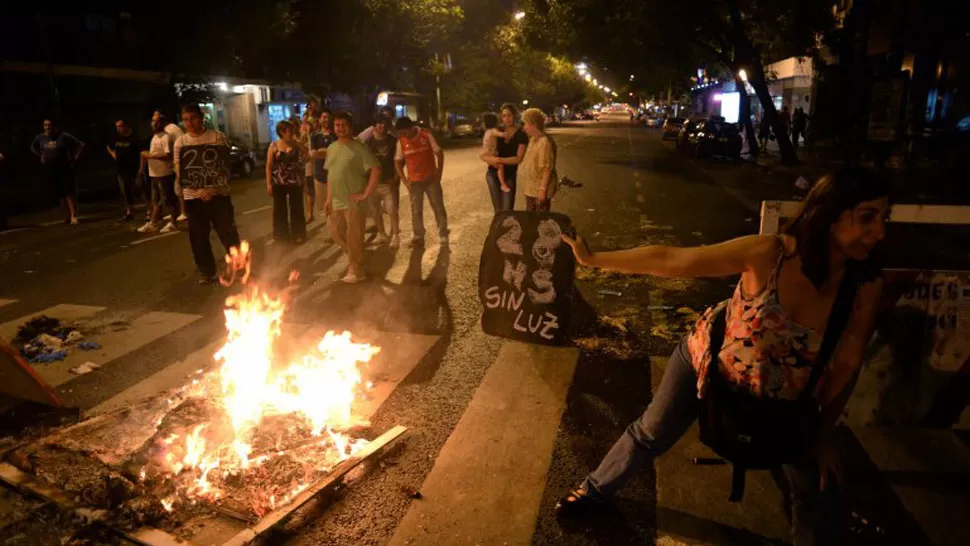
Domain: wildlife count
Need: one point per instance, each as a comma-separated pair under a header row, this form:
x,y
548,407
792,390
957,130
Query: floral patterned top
x,y
764,351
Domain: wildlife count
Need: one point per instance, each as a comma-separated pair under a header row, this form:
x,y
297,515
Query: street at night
x,y
479,273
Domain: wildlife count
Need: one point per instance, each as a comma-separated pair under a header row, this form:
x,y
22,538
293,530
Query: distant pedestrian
x,y
285,179
353,173
764,133
419,153
386,114
175,132
785,119
537,172
312,109
511,150
501,200
320,141
307,129
799,124
202,176
161,173
125,149
387,196
769,371
58,152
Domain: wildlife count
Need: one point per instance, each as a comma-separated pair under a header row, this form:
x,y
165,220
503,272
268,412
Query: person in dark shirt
x,y
387,195
511,150
58,151
125,148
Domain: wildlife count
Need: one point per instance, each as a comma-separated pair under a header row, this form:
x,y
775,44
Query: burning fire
x,y
251,385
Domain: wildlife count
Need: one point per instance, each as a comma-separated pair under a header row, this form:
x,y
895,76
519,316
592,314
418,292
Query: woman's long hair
x,y
832,195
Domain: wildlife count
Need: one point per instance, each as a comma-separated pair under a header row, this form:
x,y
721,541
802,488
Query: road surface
x,y
498,430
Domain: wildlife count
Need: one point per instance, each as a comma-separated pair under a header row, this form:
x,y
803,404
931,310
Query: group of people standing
x,y
514,155
318,165
795,124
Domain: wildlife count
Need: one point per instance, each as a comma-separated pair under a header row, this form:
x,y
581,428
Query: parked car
x,y
242,160
462,127
671,127
653,121
713,136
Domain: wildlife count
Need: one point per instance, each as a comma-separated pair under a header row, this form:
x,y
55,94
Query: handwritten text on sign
x,y
204,166
526,277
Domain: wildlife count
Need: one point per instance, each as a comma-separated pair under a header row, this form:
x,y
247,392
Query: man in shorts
x,y
58,152
387,196
161,171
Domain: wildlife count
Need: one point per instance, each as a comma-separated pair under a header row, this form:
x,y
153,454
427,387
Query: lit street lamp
x,y
607,89
743,75
525,102
519,15
589,78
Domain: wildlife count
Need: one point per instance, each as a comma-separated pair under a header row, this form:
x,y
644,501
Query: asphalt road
x,y
633,189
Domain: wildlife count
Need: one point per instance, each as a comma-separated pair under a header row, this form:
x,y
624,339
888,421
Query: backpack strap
x,y
738,473
838,319
718,329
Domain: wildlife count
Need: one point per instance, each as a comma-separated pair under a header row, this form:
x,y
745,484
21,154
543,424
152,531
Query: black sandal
x,y
577,502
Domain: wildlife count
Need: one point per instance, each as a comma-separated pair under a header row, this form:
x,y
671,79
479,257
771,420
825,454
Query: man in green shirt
x,y
348,190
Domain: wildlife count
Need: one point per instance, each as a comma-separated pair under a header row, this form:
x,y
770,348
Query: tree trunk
x,y
745,117
746,55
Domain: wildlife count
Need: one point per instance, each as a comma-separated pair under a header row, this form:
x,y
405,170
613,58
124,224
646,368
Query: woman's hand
x,y
580,250
269,190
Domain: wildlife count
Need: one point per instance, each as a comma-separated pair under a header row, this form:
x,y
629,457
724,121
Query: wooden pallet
x,y
150,536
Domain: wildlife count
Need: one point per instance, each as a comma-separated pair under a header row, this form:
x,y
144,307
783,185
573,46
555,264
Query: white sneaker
x,y
395,241
351,278
169,227
148,228
381,239
168,217
182,217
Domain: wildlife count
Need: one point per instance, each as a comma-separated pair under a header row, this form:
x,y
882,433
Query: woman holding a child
x,y
506,153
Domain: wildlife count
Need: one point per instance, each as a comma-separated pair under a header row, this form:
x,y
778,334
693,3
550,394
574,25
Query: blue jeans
x,y
437,199
817,517
501,200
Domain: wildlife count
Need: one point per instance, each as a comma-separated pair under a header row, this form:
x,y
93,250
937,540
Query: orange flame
x,y
250,384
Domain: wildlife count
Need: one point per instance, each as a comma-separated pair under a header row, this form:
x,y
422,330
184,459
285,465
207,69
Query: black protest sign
x,y
525,277
204,166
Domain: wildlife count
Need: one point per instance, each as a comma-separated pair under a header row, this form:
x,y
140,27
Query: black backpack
x,y
763,433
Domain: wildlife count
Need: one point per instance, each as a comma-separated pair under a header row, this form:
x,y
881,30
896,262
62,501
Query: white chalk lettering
x,y
509,242
550,237
552,323
492,298
538,323
546,292
511,303
516,324
514,275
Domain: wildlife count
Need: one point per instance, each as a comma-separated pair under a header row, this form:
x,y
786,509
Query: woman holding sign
x,y
285,160
800,318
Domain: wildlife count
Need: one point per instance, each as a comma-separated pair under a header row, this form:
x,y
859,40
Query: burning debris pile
x,y
243,439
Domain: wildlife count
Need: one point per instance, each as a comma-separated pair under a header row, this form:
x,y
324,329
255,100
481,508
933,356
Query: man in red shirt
x,y
419,153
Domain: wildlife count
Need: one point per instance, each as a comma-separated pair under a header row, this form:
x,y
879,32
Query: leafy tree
x,y
647,35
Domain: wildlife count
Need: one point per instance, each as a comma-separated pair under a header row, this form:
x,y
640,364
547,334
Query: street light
x,y
519,15
595,82
588,78
607,89
743,75
525,102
